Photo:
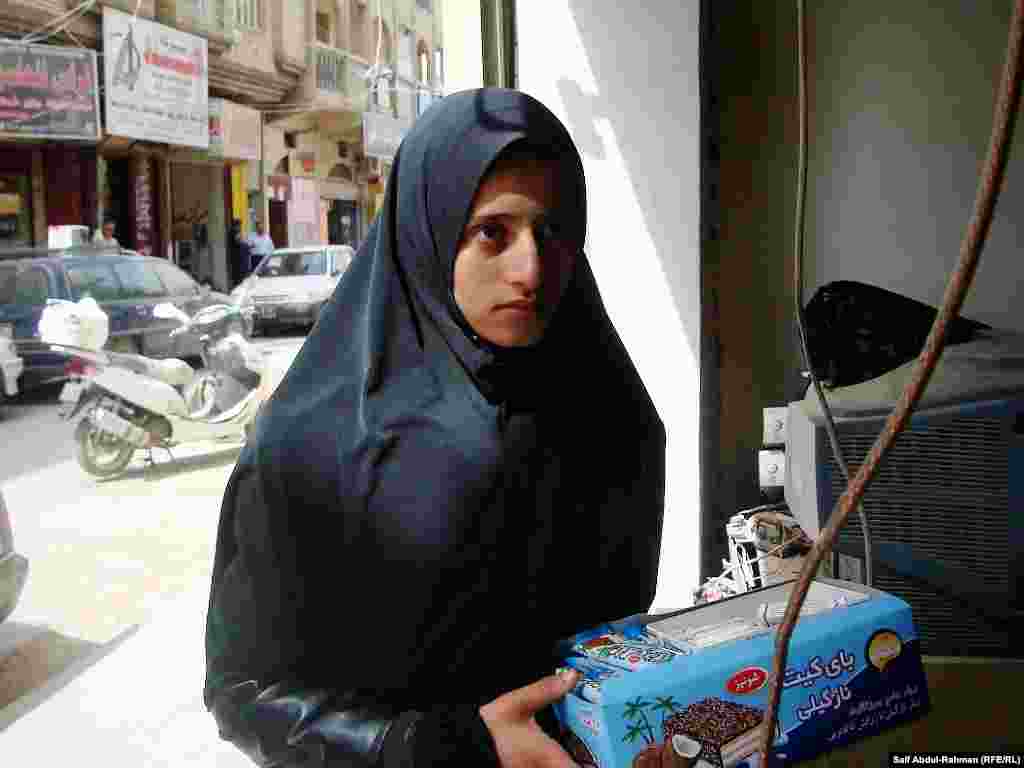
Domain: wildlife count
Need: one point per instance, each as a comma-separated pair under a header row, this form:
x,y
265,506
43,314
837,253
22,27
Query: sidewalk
x,y
135,697
138,703
119,581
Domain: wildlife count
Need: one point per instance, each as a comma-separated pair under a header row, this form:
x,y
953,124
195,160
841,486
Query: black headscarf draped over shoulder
x,y
420,516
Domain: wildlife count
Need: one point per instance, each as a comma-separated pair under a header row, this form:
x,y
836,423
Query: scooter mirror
x,y
166,311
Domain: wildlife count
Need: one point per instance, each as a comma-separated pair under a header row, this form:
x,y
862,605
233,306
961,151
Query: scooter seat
x,y
177,373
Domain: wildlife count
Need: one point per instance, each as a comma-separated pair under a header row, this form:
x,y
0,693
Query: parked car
x,y
13,567
290,285
11,364
126,285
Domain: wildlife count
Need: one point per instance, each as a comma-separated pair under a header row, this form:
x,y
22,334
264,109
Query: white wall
x,y
463,56
903,97
625,82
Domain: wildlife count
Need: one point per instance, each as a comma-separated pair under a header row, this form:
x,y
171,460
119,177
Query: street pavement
x,y
105,645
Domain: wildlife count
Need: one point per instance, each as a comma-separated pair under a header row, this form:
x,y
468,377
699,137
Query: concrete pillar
x,y
40,233
342,25
101,189
166,215
216,229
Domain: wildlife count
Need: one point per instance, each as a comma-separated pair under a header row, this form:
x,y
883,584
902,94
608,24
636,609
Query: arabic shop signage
x,y
234,131
156,81
48,92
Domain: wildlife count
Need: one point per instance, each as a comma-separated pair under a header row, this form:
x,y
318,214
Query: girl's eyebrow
x,y
492,216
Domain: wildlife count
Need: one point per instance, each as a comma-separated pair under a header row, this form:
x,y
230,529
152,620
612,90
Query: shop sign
x,y
304,213
145,233
48,91
382,134
234,131
156,81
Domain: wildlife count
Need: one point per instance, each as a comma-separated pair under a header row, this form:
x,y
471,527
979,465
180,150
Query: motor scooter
x,y
132,402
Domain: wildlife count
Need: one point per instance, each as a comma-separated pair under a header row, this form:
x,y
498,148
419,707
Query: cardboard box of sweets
x,y
698,679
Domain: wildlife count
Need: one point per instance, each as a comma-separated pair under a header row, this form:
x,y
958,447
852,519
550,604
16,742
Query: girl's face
x,y
512,265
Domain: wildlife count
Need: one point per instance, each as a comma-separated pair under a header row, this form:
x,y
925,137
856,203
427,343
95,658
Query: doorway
x,y
117,205
341,223
279,223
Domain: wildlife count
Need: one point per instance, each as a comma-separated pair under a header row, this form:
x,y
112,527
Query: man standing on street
x,y
260,245
105,235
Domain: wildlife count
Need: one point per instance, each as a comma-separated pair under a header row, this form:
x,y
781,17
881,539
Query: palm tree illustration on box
x,y
640,724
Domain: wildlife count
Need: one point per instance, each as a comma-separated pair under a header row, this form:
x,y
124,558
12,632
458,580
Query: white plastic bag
x,y
74,324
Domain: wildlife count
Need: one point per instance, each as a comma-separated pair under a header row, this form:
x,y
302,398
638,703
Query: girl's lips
x,y
520,306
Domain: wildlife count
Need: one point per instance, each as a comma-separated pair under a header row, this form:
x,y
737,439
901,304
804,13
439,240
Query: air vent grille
x,y
943,490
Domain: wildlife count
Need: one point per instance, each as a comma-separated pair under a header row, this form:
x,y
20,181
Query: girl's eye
x,y
490,232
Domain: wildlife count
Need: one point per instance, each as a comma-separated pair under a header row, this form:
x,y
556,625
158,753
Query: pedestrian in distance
x,y
260,244
104,236
461,468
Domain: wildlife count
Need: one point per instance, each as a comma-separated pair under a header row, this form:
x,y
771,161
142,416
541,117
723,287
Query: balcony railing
x,y
205,17
340,72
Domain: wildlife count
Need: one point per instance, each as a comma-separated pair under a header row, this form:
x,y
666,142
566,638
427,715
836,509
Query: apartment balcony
x,y
213,19
332,96
340,78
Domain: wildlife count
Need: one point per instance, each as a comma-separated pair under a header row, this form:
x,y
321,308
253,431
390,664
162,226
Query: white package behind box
x,y
75,324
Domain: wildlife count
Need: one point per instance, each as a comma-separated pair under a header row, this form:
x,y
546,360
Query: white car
x,y
11,364
291,285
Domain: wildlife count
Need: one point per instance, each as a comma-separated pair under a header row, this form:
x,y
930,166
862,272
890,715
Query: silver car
x,y
290,285
13,567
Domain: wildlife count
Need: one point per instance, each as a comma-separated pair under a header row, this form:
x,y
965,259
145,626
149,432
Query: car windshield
x,y
295,263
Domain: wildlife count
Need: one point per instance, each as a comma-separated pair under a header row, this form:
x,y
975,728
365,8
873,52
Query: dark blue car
x,y
126,285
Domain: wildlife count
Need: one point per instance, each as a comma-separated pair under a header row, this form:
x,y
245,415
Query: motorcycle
x,y
132,402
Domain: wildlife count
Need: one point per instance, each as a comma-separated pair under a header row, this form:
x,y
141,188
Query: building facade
x,y
287,112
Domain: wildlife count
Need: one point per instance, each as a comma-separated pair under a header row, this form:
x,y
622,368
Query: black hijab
x,y
451,508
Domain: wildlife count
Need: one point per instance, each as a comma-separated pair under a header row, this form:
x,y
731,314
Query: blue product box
x,y
698,680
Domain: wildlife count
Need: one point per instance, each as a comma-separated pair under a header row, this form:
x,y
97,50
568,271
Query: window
x,y
96,280
406,53
138,281
290,264
438,68
175,281
323,28
247,13
23,287
423,65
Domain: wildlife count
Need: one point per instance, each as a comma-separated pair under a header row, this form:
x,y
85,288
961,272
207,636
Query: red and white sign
x,y
156,81
747,680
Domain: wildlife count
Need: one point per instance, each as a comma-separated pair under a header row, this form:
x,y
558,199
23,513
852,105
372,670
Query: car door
x,y
24,289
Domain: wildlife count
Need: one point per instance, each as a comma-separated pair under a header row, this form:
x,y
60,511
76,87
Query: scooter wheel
x,y
100,454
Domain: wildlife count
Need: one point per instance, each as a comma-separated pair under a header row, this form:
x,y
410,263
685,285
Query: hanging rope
x,y
956,291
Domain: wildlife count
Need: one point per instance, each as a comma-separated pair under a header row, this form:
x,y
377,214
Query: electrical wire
x,y
767,554
67,18
989,186
798,272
